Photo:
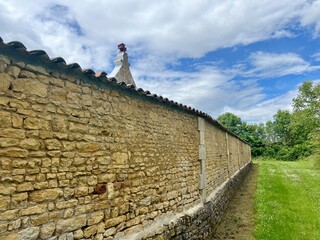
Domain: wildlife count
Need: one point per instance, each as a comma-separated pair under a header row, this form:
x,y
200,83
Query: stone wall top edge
x,y
38,61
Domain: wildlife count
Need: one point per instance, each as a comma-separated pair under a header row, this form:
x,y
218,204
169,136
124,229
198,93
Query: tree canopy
x,y
291,134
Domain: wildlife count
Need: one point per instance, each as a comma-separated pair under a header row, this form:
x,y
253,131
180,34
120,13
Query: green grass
x,y
287,201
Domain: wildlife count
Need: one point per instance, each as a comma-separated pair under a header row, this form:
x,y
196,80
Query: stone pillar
x,y
228,155
202,159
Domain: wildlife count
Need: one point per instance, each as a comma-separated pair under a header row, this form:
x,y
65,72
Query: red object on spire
x,y
122,47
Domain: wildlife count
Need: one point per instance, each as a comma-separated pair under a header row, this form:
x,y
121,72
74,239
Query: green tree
x,y
231,122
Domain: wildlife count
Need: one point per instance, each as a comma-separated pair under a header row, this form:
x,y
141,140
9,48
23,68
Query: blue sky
x,y
246,57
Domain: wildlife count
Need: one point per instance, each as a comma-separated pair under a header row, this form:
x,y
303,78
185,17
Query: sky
x,y
241,56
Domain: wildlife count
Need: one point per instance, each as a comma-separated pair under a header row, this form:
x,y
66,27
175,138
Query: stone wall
x,y
86,158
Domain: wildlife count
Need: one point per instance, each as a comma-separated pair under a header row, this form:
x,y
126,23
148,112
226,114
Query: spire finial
x,y
122,47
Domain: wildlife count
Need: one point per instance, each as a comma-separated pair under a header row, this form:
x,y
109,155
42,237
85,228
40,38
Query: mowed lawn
x,y
287,201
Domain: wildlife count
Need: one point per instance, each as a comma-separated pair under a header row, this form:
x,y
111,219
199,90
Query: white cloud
x,y
162,28
316,56
268,65
159,33
310,15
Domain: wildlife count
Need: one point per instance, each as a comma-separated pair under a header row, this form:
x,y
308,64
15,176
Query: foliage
x,y
291,135
285,207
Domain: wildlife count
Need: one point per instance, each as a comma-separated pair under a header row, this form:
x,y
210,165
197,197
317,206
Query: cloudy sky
x,y
242,56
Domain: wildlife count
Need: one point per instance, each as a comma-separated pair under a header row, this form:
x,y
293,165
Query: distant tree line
x,y
290,135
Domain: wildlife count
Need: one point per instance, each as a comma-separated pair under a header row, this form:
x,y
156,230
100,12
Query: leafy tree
x,y
231,122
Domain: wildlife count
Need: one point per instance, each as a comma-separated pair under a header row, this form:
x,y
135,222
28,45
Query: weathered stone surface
x,y
30,86
14,152
5,81
12,133
30,233
26,186
7,189
95,218
9,215
36,123
59,124
47,230
30,144
14,71
5,119
88,147
45,195
52,144
8,142
115,221
71,224
4,202
40,208
119,158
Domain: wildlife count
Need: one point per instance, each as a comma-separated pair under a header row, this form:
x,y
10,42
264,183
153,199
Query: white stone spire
x,y
121,70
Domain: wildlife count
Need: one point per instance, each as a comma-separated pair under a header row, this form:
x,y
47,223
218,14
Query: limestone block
x,y
115,221
5,119
89,231
73,87
86,100
40,208
30,86
17,121
9,215
56,82
67,204
109,232
59,124
7,189
71,224
88,147
58,95
104,160
26,186
4,203
78,127
52,144
107,177
119,158
19,199
66,236
8,142
14,152
78,234
30,233
12,133
47,230
14,224
5,81
45,195
36,123
30,144
14,71
95,218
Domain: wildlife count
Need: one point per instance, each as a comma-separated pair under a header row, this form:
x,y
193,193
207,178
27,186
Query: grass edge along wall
x,y
84,156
